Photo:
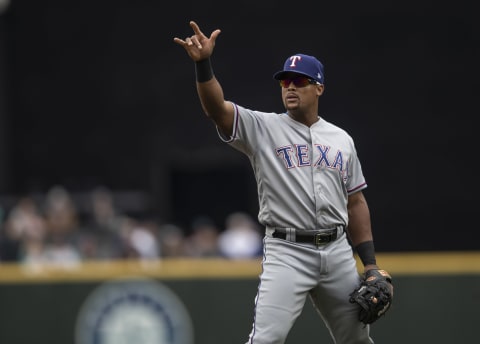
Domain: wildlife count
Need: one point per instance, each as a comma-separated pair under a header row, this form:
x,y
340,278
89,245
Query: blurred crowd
x,y
54,231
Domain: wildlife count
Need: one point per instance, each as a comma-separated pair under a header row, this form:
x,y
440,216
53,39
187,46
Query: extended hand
x,y
198,46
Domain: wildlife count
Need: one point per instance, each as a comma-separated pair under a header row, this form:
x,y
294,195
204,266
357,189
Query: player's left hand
x,y
374,295
198,46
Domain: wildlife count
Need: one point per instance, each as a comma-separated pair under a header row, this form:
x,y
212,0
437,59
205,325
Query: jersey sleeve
x,y
229,139
247,127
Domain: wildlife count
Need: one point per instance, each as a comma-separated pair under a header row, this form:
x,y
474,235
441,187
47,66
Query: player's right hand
x,y
198,46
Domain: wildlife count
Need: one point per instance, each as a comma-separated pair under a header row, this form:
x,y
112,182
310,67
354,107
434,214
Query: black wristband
x,y
203,70
366,252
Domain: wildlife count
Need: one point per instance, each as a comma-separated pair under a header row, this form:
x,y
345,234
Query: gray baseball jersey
x,y
304,174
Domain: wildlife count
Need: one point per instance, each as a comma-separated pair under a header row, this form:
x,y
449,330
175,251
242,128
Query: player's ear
x,y
320,89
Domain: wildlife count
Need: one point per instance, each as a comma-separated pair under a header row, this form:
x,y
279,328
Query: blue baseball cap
x,y
303,64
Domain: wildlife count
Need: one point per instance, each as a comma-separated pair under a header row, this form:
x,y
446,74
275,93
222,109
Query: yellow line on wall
x,y
430,262
443,263
103,270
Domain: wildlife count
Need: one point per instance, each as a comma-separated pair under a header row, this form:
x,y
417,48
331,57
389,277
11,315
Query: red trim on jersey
x,y
234,129
357,188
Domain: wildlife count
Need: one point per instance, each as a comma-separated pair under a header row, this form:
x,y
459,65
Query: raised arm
x,y
200,47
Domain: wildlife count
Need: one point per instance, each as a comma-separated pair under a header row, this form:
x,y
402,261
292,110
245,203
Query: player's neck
x,y
307,119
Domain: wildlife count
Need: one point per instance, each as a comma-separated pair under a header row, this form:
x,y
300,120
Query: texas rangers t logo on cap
x,y
294,59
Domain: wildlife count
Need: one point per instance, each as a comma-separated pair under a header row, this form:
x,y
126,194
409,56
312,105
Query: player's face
x,y
300,92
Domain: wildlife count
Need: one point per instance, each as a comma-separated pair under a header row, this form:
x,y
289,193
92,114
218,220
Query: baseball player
x,y
310,197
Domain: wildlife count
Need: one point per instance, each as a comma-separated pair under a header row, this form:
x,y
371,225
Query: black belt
x,y
311,237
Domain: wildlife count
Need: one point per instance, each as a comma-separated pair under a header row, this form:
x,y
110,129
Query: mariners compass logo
x,y
137,311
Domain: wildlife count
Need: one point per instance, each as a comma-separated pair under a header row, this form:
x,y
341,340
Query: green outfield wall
x,y
47,304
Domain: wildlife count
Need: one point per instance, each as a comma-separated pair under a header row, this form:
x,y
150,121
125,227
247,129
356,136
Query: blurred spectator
x,y
24,232
62,228
104,213
140,239
172,240
100,236
60,212
241,238
203,240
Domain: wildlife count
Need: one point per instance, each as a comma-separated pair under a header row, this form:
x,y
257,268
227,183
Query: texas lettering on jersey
x,y
297,155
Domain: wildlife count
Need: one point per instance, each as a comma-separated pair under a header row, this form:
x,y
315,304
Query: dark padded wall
x,y
47,313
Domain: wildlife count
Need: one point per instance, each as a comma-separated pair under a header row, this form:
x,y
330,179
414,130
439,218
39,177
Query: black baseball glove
x,y
374,295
